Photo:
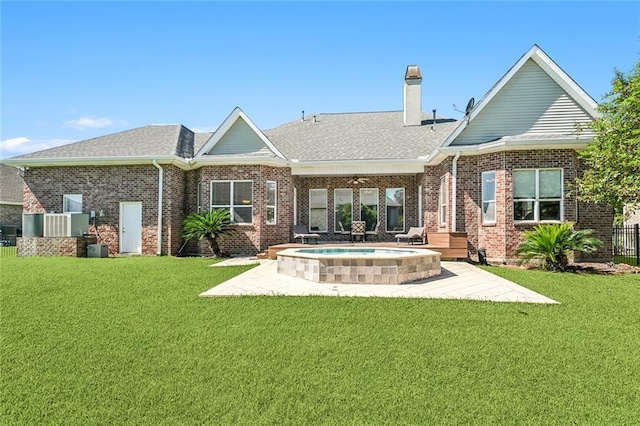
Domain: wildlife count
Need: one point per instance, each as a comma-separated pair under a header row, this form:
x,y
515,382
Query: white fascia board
x,y
97,161
226,125
487,148
11,203
347,167
198,162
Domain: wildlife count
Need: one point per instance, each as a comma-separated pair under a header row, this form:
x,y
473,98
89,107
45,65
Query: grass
x,y
128,341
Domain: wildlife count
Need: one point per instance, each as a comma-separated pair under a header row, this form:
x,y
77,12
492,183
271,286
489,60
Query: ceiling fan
x,y
357,180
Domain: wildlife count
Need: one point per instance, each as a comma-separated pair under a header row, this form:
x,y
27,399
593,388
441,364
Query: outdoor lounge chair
x,y
414,233
344,235
373,232
301,231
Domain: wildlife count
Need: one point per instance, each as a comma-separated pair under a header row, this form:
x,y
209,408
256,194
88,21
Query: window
x,y
442,201
489,197
395,209
343,208
369,207
271,202
318,210
72,203
199,197
234,196
537,195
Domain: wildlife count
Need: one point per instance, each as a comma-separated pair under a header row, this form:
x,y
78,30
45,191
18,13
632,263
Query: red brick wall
x,y
102,189
501,239
256,237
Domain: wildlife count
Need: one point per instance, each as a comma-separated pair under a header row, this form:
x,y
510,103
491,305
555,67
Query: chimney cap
x,y
413,73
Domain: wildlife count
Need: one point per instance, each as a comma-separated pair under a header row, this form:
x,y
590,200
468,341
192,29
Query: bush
x,y
552,244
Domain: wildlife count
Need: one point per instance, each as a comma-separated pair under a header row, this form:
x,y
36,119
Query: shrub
x,y
552,244
210,226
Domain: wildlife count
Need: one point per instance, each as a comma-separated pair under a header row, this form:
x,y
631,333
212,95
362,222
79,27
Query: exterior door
x,y
131,227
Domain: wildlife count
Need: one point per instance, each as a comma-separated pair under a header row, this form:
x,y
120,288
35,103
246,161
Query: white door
x,y
131,227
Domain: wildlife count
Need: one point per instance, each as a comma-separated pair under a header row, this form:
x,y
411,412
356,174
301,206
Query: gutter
x,y
454,190
160,189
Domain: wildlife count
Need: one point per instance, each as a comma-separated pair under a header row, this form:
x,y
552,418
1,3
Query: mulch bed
x,y
608,268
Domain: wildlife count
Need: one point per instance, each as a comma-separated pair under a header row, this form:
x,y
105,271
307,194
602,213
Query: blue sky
x,y
77,70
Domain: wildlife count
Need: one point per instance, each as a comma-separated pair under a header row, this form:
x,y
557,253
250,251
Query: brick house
x,y
11,185
507,165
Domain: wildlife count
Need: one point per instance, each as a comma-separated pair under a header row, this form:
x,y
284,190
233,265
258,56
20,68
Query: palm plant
x,y
210,226
552,244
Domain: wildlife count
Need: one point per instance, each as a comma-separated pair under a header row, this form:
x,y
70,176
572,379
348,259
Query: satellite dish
x,y
470,106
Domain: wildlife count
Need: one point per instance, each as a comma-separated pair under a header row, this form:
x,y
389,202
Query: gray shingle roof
x,y
153,140
11,184
364,136
200,140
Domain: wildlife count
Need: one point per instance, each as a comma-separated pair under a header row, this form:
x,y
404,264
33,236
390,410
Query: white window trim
x,y
482,200
64,203
199,197
275,203
231,206
336,227
537,199
442,201
326,208
404,211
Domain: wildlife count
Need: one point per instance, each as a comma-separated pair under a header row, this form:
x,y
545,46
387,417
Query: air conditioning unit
x,y
97,250
66,224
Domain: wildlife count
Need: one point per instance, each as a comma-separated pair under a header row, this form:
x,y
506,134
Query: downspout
x,y
160,182
454,190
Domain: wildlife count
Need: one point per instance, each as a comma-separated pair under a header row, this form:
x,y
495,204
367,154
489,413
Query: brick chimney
x,y
412,96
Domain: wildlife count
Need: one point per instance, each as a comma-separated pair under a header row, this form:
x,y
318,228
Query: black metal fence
x,y
626,244
8,235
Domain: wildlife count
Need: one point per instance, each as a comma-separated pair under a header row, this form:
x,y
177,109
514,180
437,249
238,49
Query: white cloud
x,y
88,123
22,145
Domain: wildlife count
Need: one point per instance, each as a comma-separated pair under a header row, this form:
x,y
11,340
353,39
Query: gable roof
x,y
238,136
563,99
11,185
359,136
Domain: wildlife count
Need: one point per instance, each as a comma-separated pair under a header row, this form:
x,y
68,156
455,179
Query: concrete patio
x,y
459,280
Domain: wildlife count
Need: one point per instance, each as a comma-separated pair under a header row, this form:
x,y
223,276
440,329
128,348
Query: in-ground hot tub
x,y
359,265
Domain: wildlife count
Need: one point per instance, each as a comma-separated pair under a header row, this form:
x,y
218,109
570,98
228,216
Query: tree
x,y
613,176
552,244
210,226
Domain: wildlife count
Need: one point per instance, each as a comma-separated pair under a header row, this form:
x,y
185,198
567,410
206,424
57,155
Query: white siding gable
x,y
240,139
531,102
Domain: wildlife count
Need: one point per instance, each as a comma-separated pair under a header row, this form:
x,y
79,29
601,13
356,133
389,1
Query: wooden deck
x,y
451,245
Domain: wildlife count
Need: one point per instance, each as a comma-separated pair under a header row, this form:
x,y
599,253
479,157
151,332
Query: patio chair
x,y
302,232
414,233
373,232
358,229
344,235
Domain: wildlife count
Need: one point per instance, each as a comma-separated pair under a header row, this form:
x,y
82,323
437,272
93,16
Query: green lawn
x,y
128,341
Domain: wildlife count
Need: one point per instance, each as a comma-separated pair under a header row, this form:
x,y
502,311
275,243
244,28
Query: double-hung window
x,y
236,196
537,195
271,202
343,206
369,206
394,197
318,210
72,203
489,197
442,201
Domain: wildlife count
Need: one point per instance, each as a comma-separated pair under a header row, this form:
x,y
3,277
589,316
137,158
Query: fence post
x,y
636,235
